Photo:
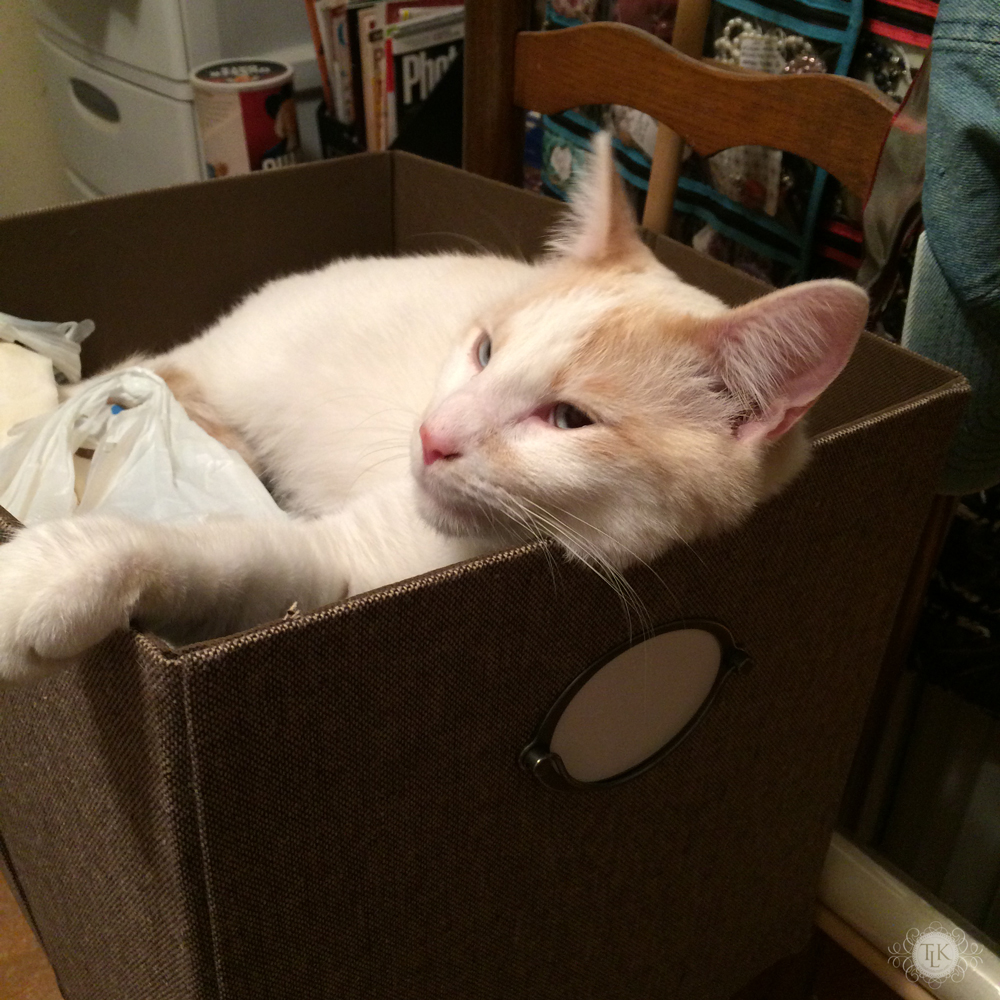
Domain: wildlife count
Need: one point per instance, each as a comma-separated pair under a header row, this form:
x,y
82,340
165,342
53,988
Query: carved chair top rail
x,y
837,123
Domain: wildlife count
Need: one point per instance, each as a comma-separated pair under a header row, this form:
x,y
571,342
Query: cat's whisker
x,y
516,513
638,560
399,449
511,507
487,251
636,557
394,430
383,461
574,541
409,414
396,453
508,506
321,392
627,593
319,396
503,231
691,548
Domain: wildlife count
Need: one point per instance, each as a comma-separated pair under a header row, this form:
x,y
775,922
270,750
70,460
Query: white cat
x,y
421,411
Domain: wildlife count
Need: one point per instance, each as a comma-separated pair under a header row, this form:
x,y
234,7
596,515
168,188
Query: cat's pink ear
x,y
600,227
778,353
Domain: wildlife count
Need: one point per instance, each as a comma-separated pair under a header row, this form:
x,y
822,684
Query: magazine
x,y
380,61
420,52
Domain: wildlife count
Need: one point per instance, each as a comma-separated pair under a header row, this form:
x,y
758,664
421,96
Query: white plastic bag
x,y
58,341
151,461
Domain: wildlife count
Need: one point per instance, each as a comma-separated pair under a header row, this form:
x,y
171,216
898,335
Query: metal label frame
x,y
538,759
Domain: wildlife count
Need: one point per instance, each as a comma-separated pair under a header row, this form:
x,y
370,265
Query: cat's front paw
x,y
64,586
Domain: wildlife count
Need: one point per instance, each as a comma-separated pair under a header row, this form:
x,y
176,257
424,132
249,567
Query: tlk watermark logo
x,y
935,955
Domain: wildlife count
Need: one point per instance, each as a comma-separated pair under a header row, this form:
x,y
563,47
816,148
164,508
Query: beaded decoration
x,y
888,67
742,41
751,175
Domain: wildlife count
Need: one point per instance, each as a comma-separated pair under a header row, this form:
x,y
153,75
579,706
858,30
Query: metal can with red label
x,y
246,115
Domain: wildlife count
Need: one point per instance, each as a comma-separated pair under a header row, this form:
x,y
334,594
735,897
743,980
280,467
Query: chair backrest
x,y
835,122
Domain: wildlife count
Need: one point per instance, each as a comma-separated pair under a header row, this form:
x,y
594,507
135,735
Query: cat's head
x,y
618,409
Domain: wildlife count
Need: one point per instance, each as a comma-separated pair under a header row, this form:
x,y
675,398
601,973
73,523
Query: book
x,y
421,50
317,39
373,76
331,17
375,54
397,11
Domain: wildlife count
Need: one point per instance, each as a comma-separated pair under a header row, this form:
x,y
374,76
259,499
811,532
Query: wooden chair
x,y
835,122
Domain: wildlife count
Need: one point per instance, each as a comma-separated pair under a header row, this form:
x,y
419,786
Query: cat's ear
x,y
600,227
778,353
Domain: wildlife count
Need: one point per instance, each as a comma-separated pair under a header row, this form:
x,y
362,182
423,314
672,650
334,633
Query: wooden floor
x,y
25,973
824,972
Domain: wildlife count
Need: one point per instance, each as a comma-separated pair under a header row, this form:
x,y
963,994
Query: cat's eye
x,y
568,417
484,350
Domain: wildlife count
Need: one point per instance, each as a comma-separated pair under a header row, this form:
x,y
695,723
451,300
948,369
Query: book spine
x,y
321,9
372,45
403,10
340,75
391,128
355,18
317,40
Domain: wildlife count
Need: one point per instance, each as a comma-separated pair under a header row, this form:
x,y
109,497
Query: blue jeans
x,y
962,186
953,314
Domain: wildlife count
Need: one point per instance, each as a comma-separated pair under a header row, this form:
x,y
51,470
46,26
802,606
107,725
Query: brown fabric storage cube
x,y
331,806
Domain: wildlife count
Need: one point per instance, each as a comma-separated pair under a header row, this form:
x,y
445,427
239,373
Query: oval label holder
x,y
632,707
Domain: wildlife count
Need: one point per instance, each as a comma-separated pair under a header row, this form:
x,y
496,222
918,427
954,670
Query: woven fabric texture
x,y
331,806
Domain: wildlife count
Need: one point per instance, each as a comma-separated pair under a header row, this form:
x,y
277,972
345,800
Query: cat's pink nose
x,y
435,446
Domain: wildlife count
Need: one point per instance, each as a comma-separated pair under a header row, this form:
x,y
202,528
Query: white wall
x,y
31,165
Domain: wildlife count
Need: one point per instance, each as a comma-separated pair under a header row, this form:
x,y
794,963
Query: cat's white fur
x,y
326,380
